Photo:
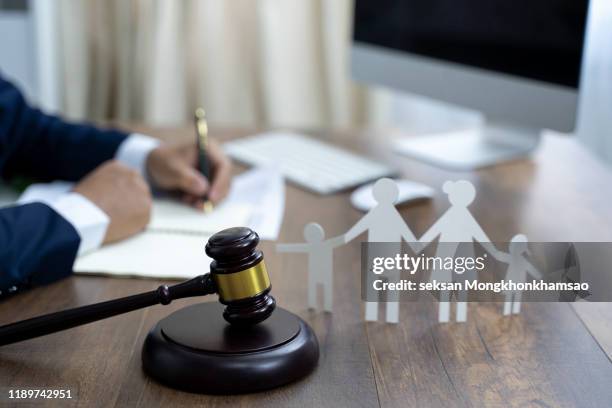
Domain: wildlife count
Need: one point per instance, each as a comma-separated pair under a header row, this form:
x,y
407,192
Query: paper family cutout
x,y
383,223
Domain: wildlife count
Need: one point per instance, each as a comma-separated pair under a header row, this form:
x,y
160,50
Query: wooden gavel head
x,y
239,273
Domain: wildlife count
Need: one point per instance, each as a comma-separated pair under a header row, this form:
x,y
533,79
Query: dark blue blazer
x,y
37,245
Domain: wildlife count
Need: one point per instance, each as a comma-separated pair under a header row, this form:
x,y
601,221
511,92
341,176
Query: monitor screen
x,y
537,39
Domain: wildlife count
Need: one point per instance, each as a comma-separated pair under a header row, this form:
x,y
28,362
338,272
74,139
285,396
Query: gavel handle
x,y
66,319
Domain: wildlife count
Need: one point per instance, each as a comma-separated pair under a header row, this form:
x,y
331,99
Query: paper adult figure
x,y
518,268
457,225
385,224
320,262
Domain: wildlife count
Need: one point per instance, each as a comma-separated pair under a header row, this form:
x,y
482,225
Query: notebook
x,y
172,245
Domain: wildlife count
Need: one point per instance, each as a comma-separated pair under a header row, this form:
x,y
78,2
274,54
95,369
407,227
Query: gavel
x,y
237,274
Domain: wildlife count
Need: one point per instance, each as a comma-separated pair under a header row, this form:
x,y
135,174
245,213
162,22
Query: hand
x,y
174,167
122,194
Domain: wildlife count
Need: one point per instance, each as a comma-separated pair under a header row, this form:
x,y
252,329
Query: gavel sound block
x,y
250,345
196,350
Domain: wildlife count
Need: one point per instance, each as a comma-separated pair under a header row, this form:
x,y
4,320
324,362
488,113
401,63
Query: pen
x,y
202,144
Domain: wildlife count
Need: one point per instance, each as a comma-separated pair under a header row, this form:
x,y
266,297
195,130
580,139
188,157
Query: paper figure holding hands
x,y
385,224
518,268
457,225
320,262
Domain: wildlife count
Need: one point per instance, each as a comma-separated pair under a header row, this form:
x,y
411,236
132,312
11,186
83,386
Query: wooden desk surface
x,y
550,355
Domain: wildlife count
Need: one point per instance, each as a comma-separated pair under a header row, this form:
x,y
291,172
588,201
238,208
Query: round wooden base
x,y
195,349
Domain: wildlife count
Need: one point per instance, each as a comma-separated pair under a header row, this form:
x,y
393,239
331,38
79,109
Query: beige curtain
x,y
248,62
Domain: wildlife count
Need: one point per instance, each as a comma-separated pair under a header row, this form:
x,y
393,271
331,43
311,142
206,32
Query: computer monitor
x,y
517,61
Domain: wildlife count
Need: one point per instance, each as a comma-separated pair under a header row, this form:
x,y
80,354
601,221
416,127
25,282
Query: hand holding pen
x,y
177,167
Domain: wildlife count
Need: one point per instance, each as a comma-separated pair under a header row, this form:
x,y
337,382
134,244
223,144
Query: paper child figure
x,y
320,262
385,224
518,268
456,225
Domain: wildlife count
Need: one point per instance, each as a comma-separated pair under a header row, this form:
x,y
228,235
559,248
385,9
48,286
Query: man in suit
x,y
111,199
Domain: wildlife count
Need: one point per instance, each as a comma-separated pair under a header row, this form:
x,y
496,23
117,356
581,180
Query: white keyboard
x,y
310,164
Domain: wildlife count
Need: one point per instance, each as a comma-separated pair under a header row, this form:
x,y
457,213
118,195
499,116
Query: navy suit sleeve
x,y
46,147
37,246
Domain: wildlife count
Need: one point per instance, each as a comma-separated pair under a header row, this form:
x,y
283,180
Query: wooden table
x,y
550,355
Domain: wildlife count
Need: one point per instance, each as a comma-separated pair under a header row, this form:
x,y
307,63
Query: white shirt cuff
x,y
134,150
89,221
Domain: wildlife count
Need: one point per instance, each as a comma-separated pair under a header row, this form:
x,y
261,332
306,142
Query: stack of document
x,y
172,246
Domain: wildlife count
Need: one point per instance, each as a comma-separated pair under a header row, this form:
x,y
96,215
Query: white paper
x,y
264,190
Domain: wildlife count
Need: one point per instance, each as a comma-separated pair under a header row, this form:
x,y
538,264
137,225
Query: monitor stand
x,y
470,149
